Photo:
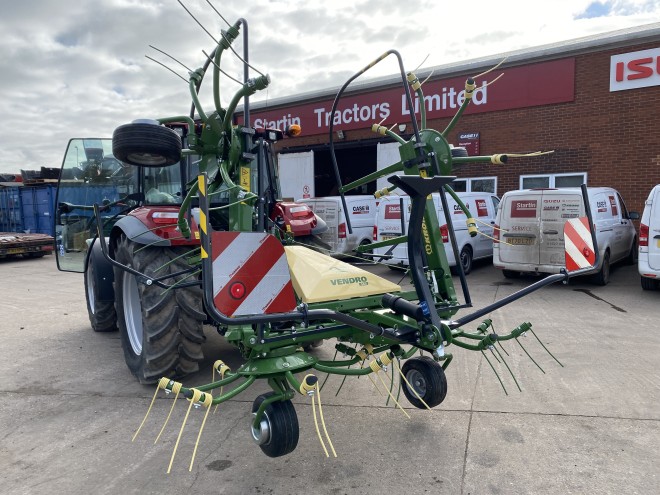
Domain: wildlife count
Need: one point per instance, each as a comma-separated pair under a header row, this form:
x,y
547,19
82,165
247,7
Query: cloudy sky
x,y
78,68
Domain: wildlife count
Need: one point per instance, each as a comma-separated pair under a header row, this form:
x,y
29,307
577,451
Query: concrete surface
x,y
69,406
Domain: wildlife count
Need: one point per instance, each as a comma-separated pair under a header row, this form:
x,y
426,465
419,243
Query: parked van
x,y
532,229
362,213
482,206
649,242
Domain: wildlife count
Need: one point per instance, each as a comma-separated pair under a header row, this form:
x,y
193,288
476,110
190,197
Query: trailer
x,y
26,245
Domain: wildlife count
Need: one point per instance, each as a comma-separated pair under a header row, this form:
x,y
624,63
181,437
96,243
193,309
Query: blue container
x,y
11,213
38,205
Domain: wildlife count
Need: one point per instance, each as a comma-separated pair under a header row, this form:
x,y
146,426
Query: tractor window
x,y
162,185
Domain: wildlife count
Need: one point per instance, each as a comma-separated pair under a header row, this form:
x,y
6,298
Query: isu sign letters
x,y
635,70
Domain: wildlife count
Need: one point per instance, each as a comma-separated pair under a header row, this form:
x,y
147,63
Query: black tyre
x,y
649,283
161,330
36,255
631,259
428,379
466,259
603,276
146,145
510,274
102,314
278,431
362,256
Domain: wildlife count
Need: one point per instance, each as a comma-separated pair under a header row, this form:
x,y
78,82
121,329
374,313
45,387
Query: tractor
x,y
191,230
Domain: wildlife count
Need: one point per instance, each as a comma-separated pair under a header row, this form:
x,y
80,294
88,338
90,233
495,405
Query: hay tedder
x,y
191,230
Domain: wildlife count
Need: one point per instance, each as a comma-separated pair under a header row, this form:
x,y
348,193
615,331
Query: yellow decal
x,y
197,235
245,178
427,239
200,182
204,253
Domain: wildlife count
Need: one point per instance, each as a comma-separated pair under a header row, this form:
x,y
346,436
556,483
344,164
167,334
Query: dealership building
x,y
594,101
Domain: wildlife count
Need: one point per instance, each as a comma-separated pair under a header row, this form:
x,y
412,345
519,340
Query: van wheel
x,y
631,259
510,274
466,259
649,283
603,276
361,256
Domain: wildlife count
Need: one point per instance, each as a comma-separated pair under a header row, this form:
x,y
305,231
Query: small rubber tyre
x,y
649,283
510,274
278,432
603,276
102,314
146,145
427,378
161,330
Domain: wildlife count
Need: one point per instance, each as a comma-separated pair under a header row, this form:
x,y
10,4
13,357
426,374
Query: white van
x,y
531,239
481,205
362,214
649,242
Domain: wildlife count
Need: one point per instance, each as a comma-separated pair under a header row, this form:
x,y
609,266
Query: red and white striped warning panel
x,y
250,274
578,245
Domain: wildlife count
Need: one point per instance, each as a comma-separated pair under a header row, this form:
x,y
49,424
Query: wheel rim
x,y
91,299
417,382
465,261
261,435
132,312
147,159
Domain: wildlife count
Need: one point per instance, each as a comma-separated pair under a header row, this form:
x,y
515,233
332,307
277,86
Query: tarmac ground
x,y
69,406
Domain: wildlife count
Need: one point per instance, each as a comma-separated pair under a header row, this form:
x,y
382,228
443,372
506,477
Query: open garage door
x,y
296,172
387,154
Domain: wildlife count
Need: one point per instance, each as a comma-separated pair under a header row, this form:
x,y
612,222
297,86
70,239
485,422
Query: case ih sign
x,y
536,84
635,70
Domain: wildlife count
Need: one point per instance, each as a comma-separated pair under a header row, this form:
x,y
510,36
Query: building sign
x,y
635,70
469,141
526,86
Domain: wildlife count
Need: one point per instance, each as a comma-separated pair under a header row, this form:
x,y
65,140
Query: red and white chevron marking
x,y
250,274
578,244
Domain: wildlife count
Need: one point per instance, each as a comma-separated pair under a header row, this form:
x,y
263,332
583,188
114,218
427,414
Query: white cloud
x,y
78,68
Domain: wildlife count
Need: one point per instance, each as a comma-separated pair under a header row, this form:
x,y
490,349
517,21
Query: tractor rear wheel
x,y
428,380
102,314
161,330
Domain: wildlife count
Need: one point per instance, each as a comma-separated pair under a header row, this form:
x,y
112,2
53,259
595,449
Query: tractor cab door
x,y
90,174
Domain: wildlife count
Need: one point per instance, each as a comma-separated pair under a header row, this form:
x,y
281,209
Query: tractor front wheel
x,y
278,430
161,330
427,378
102,314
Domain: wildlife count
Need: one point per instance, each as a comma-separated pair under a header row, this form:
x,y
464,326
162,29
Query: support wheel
x,y
146,144
278,430
161,330
102,314
427,378
603,276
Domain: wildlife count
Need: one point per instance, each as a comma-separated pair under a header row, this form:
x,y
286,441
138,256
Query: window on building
x,y
476,184
553,180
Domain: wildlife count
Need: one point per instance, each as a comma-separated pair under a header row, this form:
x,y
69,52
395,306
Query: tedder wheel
x,y
428,379
603,276
146,144
278,430
102,314
161,330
